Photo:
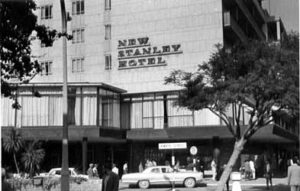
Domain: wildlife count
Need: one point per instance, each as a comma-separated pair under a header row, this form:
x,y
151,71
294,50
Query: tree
x,y
18,28
32,157
259,76
13,144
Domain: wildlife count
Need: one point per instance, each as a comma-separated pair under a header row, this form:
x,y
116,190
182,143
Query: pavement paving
x,y
279,184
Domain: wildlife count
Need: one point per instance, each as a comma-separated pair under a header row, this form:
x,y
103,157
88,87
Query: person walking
x,y
268,174
110,180
293,178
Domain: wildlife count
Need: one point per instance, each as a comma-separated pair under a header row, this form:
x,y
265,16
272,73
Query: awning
x,y
270,133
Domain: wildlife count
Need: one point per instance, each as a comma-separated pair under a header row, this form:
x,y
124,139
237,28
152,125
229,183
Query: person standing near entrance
x,y
90,171
213,165
125,168
268,174
252,168
95,170
110,180
115,169
293,178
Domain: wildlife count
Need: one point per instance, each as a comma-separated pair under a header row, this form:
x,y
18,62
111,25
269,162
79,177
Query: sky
x,y
287,10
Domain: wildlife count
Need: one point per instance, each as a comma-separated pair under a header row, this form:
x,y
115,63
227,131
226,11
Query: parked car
x,y
56,172
163,175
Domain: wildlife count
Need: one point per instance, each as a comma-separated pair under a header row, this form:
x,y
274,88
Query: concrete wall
x,y
195,24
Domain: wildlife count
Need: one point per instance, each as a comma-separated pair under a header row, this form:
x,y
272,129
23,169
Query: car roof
x,y
160,166
60,168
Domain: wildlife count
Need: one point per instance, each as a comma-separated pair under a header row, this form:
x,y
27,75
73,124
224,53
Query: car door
x,y
168,175
156,176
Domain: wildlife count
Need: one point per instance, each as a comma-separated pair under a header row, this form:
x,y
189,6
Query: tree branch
x,y
224,119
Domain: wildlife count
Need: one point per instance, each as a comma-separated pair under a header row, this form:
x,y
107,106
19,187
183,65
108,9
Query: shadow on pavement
x,y
280,187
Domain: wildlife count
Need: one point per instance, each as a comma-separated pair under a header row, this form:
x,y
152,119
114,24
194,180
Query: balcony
x,y
230,25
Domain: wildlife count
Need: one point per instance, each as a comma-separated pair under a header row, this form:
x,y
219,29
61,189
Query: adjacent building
x,y
119,107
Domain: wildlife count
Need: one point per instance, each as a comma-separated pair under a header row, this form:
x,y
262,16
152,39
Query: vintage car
x,y
56,172
163,175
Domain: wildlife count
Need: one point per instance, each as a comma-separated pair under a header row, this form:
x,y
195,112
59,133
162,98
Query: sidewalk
x,y
279,184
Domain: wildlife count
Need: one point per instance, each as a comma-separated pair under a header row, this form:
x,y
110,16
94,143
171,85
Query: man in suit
x,y
294,176
110,181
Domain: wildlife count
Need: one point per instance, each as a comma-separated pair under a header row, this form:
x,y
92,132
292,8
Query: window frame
x,y
108,62
77,65
78,35
78,7
107,32
46,68
46,9
107,5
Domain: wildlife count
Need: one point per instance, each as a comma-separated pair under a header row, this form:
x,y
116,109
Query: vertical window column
x,y
107,32
107,4
108,62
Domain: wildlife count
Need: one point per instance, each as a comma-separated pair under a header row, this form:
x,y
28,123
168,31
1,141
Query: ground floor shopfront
x,y
136,146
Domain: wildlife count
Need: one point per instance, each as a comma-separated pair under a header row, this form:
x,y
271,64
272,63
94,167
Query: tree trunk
x,y
238,147
16,164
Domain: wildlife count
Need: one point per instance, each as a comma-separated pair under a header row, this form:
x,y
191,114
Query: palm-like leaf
x,y
32,157
13,144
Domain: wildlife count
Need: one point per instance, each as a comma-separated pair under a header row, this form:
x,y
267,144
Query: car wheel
x,y
189,182
144,184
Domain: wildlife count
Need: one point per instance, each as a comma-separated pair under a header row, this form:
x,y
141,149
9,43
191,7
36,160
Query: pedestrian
x,y
154,163
252,168
125,168
247,170
110,179
95,171
141,168
293,178
213,166
5,185
201,166
115,169
177,166
148,163
268,174
90,170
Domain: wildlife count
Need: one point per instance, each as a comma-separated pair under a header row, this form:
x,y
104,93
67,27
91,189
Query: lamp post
x,y
65,155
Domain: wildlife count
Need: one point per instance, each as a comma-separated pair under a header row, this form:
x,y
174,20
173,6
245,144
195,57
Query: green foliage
x,y
32,157
18,28
13,144
260,75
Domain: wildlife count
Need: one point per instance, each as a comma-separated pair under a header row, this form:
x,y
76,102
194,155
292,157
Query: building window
x,y
78,7
46,67
46,12
107,32
77,65
78,36
107,62
107,4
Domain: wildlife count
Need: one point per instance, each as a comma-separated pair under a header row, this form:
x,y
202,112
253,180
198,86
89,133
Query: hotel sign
x,y
137,53
167,146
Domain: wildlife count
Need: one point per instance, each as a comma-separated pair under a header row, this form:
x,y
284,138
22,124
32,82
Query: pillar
x,y
84,155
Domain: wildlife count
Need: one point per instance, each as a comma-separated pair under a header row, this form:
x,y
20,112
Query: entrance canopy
x,y
270,133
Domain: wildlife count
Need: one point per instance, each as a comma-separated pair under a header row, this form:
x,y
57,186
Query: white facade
x,y
194,26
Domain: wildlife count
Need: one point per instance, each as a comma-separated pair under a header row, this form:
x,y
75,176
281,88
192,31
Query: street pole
x,y
65,155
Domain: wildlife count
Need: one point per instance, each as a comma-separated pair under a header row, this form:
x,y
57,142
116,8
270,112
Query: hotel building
x,y
119,107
